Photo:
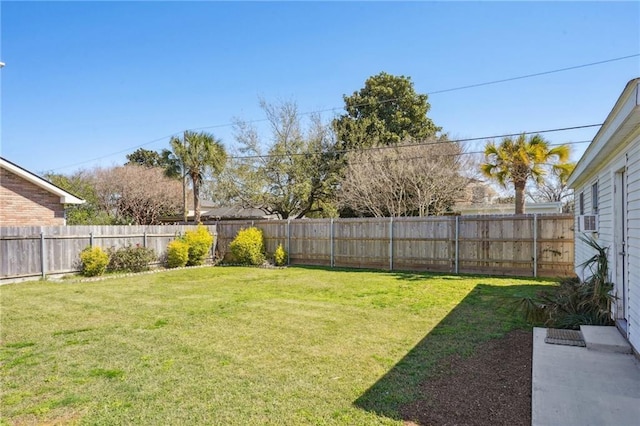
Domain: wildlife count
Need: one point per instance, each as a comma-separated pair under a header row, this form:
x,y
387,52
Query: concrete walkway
x,y
596,385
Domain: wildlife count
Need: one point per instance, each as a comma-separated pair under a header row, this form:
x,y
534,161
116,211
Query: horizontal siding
x,y
633,241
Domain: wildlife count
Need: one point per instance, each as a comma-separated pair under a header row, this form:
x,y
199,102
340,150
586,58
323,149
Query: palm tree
x,y
199,153
518,160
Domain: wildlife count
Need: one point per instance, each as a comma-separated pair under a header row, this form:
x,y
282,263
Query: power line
x,y
504,80
379,148
360,105
460,154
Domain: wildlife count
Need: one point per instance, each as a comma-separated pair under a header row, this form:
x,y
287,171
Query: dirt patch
x,y
491,387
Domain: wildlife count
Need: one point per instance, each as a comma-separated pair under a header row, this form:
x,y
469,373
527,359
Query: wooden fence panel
x,y
503,244
424,244
310,242
24,251
20,251
362,243
555,246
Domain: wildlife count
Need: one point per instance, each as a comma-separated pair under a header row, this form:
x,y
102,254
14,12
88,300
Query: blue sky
x,y
89,80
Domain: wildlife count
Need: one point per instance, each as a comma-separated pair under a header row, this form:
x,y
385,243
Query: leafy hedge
x,y
248,247
94,261
191,249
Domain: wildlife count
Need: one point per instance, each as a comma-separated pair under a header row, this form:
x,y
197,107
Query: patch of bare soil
x,y
491,387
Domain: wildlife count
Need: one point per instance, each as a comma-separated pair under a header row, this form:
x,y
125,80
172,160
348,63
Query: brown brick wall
x,y
25,204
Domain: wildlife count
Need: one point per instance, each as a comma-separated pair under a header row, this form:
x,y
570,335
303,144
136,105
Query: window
x,y
581,203
594,198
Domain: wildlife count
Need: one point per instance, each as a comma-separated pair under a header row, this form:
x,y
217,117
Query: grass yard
x,y
232,345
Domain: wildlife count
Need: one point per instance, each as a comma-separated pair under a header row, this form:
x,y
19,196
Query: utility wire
x,y
360,105
504,80
460,154
439,142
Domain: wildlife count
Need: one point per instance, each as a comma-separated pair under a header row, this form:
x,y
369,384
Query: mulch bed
x,y
492,387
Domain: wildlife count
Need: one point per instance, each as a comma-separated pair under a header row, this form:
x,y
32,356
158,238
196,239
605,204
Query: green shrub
x,y
94,261
248,247
199,242
574,303
280,256
130,259
177,254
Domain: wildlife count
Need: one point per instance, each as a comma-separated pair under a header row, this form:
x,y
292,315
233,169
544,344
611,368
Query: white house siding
x,y
616,147
633,241
605,218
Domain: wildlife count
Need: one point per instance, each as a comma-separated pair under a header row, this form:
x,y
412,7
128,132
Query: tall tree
x,y
292,175
518,160
150,158
386,111
199,154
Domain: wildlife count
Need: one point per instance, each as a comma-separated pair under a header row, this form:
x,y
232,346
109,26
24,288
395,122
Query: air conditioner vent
x,y
588,223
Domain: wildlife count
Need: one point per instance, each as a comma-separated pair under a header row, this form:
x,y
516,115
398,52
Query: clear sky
x,y
88,80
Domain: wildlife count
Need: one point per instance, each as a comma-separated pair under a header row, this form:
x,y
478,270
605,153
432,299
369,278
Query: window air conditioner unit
x,y
588,223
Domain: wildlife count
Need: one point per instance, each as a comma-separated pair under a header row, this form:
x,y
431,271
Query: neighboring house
x,y
606,181
502,209
209,212
480,198
26,199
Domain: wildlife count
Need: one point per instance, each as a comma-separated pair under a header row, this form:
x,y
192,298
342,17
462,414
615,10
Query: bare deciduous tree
x,y
406,180
138,194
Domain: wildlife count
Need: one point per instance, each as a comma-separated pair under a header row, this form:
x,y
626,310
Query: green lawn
x,y
232,345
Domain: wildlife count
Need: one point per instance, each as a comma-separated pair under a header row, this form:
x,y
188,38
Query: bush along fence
x,y
35,251
523,245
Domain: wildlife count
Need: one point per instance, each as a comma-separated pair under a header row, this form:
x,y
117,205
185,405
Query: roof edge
x,y
65,196
627,103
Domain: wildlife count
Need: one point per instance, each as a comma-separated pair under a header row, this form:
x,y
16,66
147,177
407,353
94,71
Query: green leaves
x,y
386,111
518,160
199,154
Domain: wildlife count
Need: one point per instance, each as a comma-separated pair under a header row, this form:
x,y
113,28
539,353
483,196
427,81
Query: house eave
x,y
622,123
65,197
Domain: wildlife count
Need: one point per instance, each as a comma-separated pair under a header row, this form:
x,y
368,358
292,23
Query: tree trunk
x,y
196,199
520,197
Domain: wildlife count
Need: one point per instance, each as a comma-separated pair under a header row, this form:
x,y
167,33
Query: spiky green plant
x,y
574,303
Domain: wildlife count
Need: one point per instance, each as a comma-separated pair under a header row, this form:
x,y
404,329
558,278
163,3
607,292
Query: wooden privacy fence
x,y
523,245
39,251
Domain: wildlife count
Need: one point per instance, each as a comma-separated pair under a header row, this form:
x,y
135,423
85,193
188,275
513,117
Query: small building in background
x,y
26,199
502,209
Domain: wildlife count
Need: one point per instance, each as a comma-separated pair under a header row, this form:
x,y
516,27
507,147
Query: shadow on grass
x,y
486,312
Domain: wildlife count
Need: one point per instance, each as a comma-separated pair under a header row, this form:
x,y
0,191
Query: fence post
x,y
91,239
391,243
535,244
457,252
288,241
43,258
331,255
144,239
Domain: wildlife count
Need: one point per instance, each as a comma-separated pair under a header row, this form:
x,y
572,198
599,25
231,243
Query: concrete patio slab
x,y
579,386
